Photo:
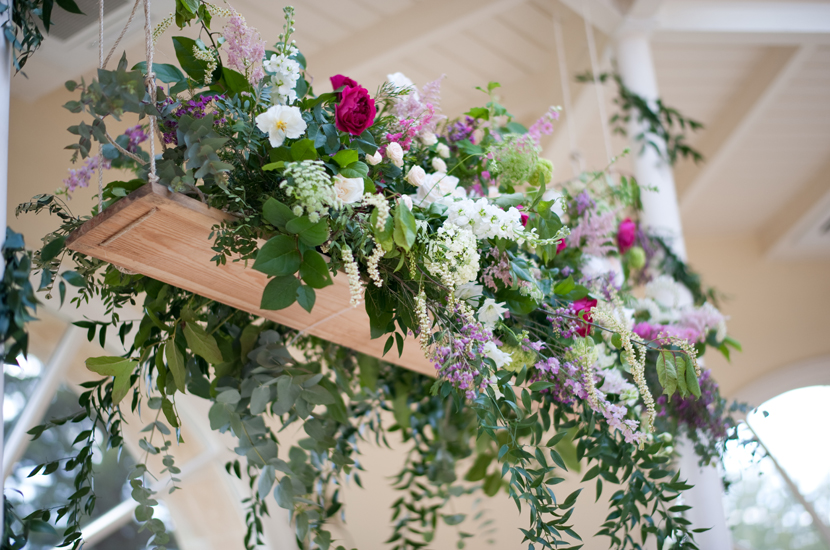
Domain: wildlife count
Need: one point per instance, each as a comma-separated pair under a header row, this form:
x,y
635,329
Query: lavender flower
x,y
543,126
82,176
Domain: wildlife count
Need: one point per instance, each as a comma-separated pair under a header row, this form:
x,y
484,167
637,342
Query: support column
x,y
5,88
661,215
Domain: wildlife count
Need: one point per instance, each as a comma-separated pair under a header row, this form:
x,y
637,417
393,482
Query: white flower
x,y
374,159
436,186
443,150
400,81
416,176
281,122
668,293
613,382
491,312
493,382
395,153
407,200
499,357
468,291
348,190
439,165
428,138
452,255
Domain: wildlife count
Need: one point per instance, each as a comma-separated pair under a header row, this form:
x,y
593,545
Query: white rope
x,y
100,66
592,50
577,163
123,32
150,80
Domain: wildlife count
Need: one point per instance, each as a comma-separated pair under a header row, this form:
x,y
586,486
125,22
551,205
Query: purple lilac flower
x,y
543,126
81,177
461,129
583,202
458,361
137,136
196,108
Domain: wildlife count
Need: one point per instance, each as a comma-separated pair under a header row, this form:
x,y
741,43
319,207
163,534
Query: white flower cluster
x,y
452,255
372,265
353,272
424,323
312,188
378,201
486,220
283,73
208,57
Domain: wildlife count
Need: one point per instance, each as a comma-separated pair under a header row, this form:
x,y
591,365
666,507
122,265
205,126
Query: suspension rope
x,y
592,51
150,81
123,32
100,66
577,162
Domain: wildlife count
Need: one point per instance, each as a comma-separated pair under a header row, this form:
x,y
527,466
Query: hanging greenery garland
x,y
450,234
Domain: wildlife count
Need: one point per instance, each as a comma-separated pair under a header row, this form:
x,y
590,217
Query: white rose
x,y
438,185
416,176
374,159
499,357
395,153
348,190
280,122
400,81
407,200
439,165
443,150
491,312
428,138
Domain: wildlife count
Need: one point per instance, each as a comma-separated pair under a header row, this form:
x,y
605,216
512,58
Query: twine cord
x,y
150,81
592,50
100,66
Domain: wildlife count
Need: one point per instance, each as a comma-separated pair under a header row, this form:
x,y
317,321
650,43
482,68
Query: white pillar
x,y
661,215
661,212
5,88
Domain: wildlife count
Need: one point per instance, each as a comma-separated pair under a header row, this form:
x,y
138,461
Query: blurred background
x,y
755,214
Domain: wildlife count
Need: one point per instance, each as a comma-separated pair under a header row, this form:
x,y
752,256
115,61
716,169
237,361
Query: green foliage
x,y
17,297
30,18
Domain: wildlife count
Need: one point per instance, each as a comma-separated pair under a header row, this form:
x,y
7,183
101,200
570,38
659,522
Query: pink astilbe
x,y
245,48
594,232
421,109
498,271
543,126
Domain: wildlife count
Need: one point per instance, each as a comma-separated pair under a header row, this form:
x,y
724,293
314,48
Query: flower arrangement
x,y
448,230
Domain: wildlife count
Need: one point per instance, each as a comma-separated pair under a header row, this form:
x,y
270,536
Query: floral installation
x,y
450,233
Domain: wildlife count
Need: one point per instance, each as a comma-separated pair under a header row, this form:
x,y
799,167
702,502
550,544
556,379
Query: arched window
x,y
783,500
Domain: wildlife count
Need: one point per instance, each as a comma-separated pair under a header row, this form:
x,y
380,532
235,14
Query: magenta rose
x,y
626,235
584,304
355,112
340,80
524,216
562,245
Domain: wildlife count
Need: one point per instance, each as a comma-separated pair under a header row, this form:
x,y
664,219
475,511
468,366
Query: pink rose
x,y
339,80
626,235
584,304
355,112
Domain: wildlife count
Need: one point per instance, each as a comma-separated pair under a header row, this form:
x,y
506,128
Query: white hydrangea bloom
x,y
486,220
452,255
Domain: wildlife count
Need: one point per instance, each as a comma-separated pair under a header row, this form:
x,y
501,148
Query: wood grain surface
x,y
166,236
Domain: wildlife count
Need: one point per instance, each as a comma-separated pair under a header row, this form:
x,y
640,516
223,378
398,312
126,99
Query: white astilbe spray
x,y
424,323
312,189
372,265
353,272
208,57
379,202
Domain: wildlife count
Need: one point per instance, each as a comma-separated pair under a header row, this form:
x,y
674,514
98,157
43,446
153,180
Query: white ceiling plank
x,y
419,26
603,14
707,20
743,127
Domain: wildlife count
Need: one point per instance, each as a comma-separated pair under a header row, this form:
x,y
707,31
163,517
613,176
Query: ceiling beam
x,y
602,14
765,22
737,108
727,140
420,26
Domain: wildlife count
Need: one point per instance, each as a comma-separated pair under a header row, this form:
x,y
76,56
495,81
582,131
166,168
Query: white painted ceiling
x,y
756,73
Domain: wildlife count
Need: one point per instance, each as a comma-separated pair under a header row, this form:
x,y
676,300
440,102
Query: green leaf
x,y
169,412
564,287
310,233
667,372
52,249
284,494
479,469
74,278
405,228
259,401
175,362
278,257
369,370
235,82
492,484
303,150
692,381
202,344
357,170
165,72
70,6
119,368
317,395
306,297
454,519
314,270
195,68
277,213
384,236
680,365
345,157
400,406
279,293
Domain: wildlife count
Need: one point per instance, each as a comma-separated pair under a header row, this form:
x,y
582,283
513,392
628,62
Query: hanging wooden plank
x,y
166,236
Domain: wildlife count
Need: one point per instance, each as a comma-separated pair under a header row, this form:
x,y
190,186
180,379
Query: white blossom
x,y
416,176
428,138
499,357
439,165
281,122
283,74
443,150
401,82
374,159
348,190
407,200
491,312
452,255
437,186
394,152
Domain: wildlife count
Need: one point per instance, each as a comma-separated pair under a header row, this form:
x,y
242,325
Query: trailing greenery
x,y
29,20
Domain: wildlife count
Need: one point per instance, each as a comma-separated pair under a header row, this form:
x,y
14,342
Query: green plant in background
x,y
29,20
